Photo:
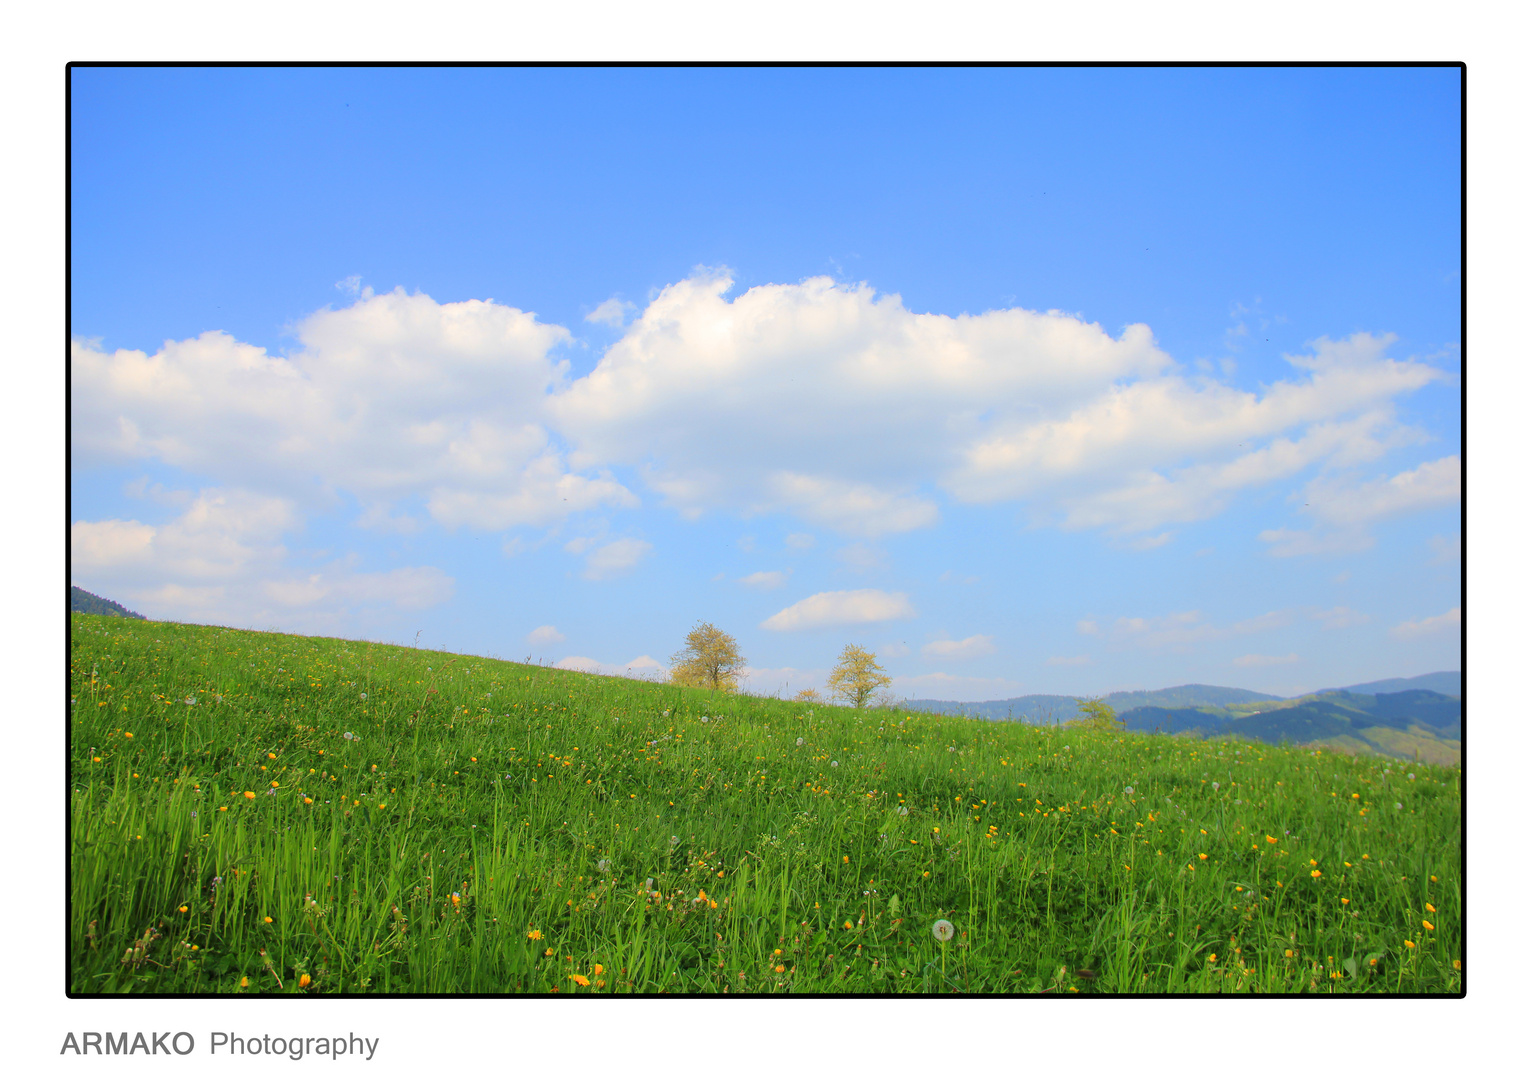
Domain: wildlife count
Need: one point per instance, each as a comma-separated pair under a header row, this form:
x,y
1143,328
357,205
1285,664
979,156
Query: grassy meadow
x,y
264,814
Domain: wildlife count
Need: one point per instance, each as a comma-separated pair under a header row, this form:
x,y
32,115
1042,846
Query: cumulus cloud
x,y
1069,661
545,635
817,398
222,560
823,400
396,395
800,541
646,665
977,645
764,579
615,558
1165,448
1448,622
579,663
1254,660
846,608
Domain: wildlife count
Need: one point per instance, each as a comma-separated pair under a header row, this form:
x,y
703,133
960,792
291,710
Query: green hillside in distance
x,y
1419,724
1058,708
88,603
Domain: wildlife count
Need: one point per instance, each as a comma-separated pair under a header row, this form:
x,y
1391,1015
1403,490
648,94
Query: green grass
x,y
485,814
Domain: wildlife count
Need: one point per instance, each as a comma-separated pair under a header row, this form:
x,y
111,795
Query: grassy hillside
x,y
259,813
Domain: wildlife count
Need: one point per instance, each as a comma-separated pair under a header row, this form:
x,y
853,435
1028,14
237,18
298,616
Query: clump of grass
x,y
262,813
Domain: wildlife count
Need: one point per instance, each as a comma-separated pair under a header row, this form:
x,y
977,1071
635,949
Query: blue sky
x,y
1031,381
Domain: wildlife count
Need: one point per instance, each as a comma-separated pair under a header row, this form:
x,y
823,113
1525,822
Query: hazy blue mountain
x,y
1189,696
1149,718
1036,708
1439,682
1057,708
90,604
1387,722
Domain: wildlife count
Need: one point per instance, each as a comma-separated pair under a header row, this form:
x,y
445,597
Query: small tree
x,y
1095,714
709,659
857,676
809,695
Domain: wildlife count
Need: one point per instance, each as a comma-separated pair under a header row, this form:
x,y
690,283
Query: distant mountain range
x,y
1421,717
88,603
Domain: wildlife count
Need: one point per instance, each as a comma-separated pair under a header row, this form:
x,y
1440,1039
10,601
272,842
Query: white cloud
x,y
1069,661
579,663
395,395
645,664
894,649
222,560
970,648
1254,660
1346,507
615,558
1343,503
642,667
611,312
1146,543
841,609
545,635
764,579
1184,447
800,541
1448,622
1087,626
818,397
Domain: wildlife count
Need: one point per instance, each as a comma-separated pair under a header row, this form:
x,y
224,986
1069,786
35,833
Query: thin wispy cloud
x,y
843,608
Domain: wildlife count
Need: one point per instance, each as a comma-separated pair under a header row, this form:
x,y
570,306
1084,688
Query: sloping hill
x,y
88,603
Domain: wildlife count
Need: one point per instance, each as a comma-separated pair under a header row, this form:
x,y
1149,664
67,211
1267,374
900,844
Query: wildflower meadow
x,y
257,813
